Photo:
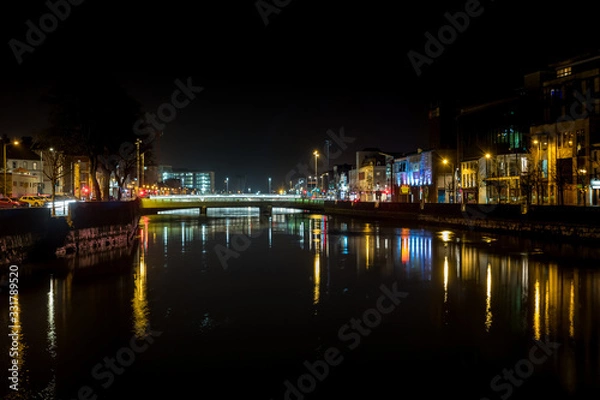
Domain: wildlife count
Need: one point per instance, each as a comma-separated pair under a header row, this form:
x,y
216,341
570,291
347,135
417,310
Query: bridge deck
x,y
164,203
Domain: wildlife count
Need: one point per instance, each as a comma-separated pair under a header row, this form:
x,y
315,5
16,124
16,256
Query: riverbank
x,y
540,222
29,235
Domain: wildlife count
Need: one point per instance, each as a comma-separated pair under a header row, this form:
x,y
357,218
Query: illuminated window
x,y
563,72
434,113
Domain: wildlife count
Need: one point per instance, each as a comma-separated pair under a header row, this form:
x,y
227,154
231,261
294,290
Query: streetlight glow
x,y
316,154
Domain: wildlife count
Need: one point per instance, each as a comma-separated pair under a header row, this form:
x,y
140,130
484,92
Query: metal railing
x,y
231,198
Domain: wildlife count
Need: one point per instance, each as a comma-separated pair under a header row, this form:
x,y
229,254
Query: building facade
x,y
195,181
565,146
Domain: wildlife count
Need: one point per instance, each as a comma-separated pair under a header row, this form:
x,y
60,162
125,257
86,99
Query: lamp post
x,y
582,173
316,154
446,162
137,161
41,188
269,185
487,177
5,191
227,185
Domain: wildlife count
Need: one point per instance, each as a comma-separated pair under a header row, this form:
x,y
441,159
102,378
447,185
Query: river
x,y
303,306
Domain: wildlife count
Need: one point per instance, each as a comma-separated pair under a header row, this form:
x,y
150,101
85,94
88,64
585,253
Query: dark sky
x,y
272,92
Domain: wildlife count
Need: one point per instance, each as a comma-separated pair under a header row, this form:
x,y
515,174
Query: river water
x,y
302,306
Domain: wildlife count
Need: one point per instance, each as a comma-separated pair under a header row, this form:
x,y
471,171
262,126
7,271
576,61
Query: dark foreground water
x,y
306,307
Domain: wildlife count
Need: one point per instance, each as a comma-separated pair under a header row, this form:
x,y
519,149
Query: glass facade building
x,y
200,181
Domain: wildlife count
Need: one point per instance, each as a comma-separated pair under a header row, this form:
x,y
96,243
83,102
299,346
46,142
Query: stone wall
x,y
32,234
538,221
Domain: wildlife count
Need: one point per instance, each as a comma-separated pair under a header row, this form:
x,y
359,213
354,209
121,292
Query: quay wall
x,y
580,223
29,235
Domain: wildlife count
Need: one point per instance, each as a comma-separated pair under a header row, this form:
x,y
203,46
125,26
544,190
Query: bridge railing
x,y
232,199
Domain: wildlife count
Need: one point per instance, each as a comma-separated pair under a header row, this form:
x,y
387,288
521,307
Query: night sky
x,y
272,92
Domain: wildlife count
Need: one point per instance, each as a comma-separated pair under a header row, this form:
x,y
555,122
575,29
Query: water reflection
x,y
488,299
139,301
299,270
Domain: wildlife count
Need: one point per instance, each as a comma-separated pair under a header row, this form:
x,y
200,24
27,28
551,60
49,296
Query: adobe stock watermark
x,y
151,123
580,109
35,35
239,243
446,35
504,384
104,372
341,142
265,8
167,112
351,335
14,327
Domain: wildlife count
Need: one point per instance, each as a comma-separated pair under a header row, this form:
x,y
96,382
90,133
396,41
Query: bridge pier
x,y
266,209
203,211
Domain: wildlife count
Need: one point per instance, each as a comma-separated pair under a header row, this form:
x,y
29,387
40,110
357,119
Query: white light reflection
x,y
446,267
227,232
51,333
488,299
182,237
50,390
270,232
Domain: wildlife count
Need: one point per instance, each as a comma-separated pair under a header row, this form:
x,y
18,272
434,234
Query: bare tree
x,y
55,168
532,181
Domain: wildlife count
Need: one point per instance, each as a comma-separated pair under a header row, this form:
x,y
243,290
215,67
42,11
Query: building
x,y
429,176
195,181
372,176
492,148
341,181
24,162
20,182
565,144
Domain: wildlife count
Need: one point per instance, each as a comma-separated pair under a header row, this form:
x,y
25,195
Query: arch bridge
x,y
265,203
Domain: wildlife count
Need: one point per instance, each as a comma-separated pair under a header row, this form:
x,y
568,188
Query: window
x,y
562,72
556,93
34,165
434,113
25,164
14,164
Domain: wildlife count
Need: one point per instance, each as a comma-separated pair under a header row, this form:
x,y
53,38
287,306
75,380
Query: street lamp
x,y
137,161
316,154
582,173
487,177
269,185
227,185
5,191
446,162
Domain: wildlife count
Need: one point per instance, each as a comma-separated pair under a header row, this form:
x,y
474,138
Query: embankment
x,y
552,222
32,234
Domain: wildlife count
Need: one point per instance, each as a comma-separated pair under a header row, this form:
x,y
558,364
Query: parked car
x,y
33,201
6,202
44,199
21,203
